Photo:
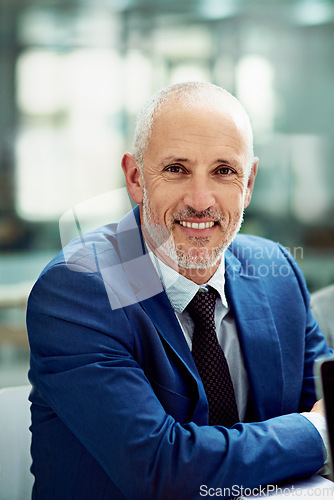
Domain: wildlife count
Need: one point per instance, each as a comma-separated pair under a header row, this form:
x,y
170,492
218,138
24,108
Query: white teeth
x,y
196,225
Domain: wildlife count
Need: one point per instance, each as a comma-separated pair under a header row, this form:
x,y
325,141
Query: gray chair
x,y
16,479
322,304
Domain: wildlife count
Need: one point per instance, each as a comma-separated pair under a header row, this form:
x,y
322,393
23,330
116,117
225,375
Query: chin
x,y
199,260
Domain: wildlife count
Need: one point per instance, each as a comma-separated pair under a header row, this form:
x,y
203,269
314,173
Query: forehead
x,y
214,125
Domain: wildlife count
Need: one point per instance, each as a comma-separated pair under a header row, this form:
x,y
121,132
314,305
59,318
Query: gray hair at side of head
x,y
188,92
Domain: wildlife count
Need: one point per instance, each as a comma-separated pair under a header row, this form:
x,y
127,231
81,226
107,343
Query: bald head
x,y
189,95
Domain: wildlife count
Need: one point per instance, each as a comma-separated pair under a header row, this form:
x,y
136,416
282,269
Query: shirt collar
x,y
180,290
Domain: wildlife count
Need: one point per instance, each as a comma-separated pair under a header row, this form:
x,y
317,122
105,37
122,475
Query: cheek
x,y
231,200
164,201
160,209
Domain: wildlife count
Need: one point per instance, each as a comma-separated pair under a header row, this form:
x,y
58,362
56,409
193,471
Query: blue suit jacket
x,y
118,408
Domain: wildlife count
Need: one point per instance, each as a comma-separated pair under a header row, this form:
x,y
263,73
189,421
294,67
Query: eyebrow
x,y
184,160
227,162
174,159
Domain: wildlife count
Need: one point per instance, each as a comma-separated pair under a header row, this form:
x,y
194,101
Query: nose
x,y
199,195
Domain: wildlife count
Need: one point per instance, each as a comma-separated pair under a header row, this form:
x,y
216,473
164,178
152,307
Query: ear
x,y
250,182
133,177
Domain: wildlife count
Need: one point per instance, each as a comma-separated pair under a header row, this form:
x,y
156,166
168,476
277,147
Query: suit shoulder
x,y
84,253
264,258
258,251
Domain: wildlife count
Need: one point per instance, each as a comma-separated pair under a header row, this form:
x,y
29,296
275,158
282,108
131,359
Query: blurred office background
x,y
73,74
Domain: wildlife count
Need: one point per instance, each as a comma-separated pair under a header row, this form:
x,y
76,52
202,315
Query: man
x,y
122,403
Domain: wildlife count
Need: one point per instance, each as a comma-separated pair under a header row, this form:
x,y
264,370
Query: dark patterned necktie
x,y
211,362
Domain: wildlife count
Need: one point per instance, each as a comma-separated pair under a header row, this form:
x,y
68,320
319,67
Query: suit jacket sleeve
x,y
84,365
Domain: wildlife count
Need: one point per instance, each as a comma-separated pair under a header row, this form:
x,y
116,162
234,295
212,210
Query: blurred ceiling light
x,y
187,71
94,81
217,9
42,26
254,75
90,80
52,26
311,197
313,12
57,169
39,83
96,26
120,5
190,42
138,76
43,174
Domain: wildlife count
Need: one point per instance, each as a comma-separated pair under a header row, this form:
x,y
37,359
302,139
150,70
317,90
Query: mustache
x,y
189,212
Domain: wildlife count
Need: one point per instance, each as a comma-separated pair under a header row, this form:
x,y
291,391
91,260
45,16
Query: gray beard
x,y
162,238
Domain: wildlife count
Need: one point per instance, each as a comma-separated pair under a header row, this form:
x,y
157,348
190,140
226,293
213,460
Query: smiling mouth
x,y
197,225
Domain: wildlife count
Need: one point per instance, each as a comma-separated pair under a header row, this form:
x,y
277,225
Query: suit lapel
x,y
163,317
150,295
258,337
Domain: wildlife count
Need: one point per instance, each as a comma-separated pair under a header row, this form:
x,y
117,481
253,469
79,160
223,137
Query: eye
x,y
175,169
225,171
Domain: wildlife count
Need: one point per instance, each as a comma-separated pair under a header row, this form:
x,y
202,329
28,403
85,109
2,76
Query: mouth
x,y
197,225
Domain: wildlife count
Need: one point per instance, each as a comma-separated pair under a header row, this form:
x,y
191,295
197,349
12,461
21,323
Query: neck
x,y
199,276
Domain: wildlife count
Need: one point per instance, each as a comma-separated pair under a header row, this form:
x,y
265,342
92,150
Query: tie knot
x,y
202,306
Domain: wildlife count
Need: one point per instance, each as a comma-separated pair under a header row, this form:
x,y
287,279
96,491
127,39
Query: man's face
x,y
195,184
